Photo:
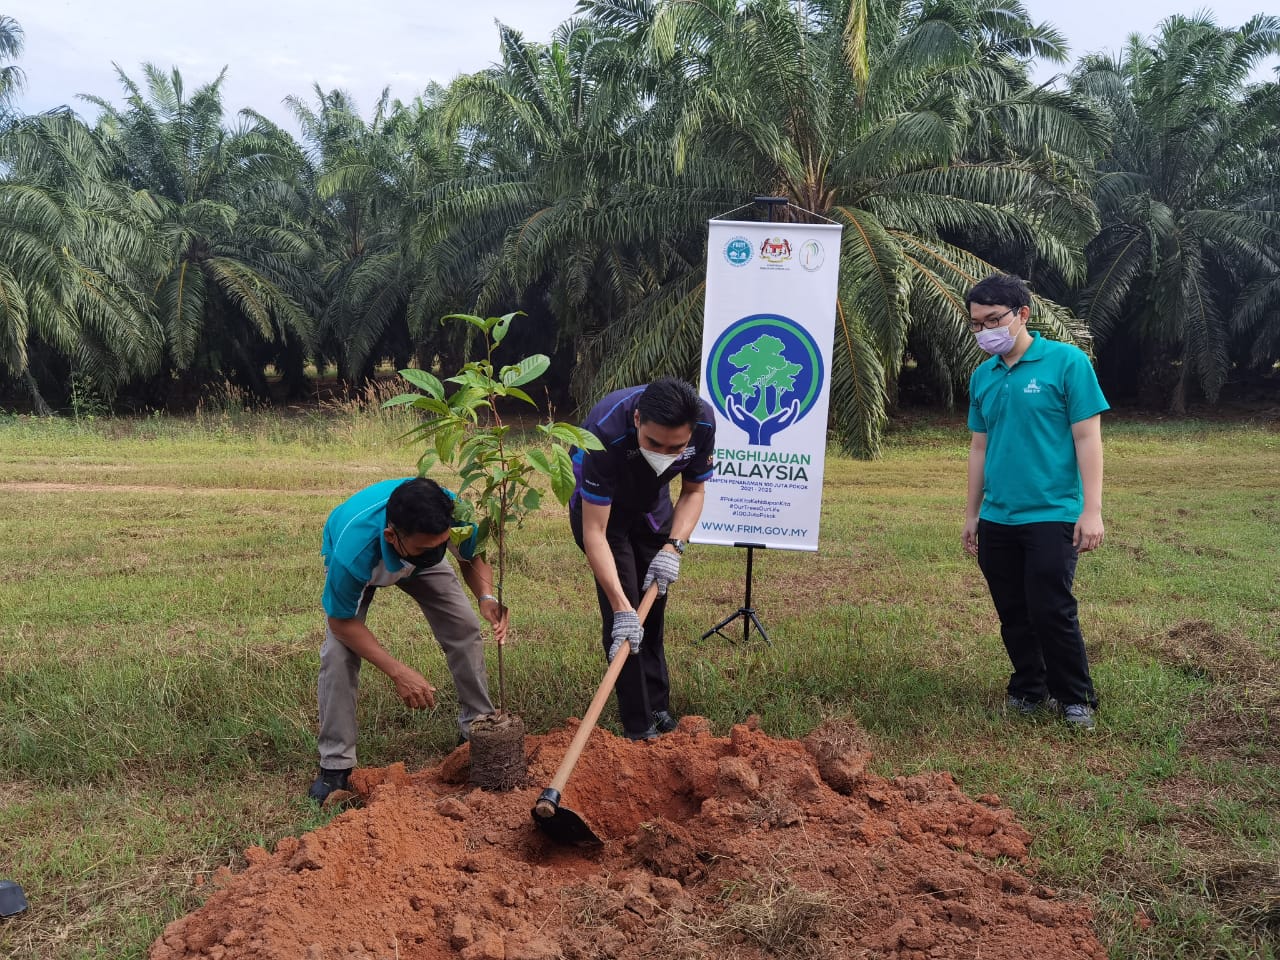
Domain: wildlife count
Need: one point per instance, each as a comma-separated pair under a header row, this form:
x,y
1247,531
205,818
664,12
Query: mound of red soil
x,y
737,847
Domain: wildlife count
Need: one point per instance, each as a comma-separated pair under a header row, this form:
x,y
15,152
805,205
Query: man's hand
x,y
664,569
1089,531
498,616
969,537
626,629
413,689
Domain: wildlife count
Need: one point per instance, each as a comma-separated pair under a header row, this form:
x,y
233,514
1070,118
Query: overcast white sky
x,y
274,48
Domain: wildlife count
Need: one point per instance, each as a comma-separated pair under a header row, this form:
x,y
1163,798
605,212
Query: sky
x,y
276,48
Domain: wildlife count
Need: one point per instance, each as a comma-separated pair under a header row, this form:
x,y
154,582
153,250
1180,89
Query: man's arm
x,y
688,509
595,519
411,686
479,577
973,500
1087,436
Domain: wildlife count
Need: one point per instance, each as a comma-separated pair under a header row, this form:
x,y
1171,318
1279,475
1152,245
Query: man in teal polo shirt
x,y
1035,495
397,532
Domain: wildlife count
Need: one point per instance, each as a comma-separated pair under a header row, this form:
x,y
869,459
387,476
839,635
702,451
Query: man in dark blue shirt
x,y
623,520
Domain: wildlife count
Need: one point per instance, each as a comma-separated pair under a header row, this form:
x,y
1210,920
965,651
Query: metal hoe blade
x,y
562,824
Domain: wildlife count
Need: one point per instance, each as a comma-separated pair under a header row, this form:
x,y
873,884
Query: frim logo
x,y
1031,387
764,373
738,251
775,250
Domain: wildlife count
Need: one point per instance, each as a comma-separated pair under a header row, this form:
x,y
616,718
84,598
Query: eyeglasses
x,y
990,323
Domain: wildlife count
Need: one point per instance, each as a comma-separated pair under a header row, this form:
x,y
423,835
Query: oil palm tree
x,y
11,76
1187,195
76,249
235,282
913,125
561,202
370,183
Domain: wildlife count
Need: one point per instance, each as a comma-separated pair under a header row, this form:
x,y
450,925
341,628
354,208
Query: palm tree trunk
x,y
1178,405
38,403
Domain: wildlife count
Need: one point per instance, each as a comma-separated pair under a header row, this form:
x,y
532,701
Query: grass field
x,y
160,626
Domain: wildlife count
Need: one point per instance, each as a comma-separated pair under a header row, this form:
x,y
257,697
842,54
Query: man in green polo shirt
x,y
397,532
1035,495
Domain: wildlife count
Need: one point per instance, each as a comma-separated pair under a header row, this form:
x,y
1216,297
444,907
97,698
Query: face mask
x,y
997,342
427,558
659,461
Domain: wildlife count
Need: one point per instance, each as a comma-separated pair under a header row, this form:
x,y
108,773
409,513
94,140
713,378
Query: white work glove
x,y
626,629
665,569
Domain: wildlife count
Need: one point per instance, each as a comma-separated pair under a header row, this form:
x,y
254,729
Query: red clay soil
x,y
743,846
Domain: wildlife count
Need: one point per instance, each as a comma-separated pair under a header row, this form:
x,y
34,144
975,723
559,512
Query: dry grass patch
x,y
1200,649
775,914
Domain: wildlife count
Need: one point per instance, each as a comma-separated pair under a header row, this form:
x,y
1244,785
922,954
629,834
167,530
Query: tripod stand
x,y
746,611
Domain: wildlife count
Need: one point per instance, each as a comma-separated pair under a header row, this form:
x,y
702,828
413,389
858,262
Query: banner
x,y
766,367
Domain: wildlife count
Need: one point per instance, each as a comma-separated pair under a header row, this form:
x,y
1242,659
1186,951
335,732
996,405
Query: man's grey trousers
x,y
439,594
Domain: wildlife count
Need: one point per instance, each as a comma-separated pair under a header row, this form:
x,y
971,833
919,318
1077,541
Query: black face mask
x,y
427,558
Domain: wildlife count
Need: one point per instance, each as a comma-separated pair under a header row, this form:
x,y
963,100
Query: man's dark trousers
x,y
634,545
1030,569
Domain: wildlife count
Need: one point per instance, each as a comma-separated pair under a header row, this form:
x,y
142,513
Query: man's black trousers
x,y
634,544
1030,569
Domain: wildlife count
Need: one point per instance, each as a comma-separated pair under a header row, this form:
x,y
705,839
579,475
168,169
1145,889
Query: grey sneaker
x,y
1026,707
1079,715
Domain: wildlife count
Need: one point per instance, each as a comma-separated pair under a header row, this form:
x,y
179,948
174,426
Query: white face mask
x,y
659,461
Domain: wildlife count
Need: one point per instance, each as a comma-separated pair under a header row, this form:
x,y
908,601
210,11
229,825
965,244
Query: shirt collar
x,y
1033,351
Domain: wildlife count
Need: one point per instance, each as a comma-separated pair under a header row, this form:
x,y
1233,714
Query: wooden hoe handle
x,y
589,718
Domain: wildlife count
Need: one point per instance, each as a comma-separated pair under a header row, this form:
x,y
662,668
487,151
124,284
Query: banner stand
x,y
746,611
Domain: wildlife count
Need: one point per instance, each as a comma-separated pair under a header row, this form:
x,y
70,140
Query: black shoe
x,y
649,734
664,721
327,782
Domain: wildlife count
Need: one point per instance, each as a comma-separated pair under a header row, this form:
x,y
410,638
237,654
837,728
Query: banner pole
x,y
746,611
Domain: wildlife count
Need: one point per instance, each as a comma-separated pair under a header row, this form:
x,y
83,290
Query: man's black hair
x,y
1000,290
670,402
420,506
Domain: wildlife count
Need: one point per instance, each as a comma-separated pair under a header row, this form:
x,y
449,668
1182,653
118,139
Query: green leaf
x,y
573,435
519,395
400,399
469,318
447,440
562,479
503,325
432,405
424,381
532,499
530,368
540,462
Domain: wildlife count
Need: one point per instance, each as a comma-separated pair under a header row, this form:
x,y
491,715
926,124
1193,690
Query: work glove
x,y
626,629
664,569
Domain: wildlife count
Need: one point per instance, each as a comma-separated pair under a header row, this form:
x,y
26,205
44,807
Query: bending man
x,y
623,520
397,532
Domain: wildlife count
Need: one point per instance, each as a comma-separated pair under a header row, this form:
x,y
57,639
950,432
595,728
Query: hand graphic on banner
x,y
760,433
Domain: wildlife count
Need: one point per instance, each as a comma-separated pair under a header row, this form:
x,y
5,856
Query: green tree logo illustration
x,y
764,377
